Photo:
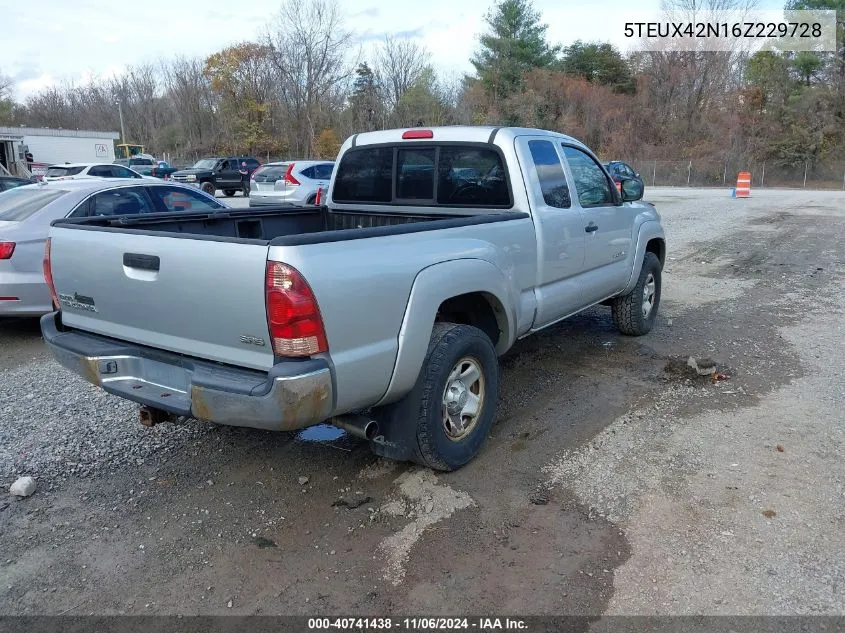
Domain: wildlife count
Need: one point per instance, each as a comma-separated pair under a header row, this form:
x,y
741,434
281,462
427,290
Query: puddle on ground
x,y
320,433
329,435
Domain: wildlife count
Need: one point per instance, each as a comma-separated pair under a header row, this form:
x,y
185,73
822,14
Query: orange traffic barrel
x,y
743,184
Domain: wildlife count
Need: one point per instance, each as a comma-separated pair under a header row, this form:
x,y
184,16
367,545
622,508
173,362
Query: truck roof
x,y
455,133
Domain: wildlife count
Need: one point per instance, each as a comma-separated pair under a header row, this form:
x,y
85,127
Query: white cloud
x,y
73,42
31,86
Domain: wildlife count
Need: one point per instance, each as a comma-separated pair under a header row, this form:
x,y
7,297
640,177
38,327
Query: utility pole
x,y
122,131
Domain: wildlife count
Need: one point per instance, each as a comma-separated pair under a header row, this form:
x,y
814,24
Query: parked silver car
x,y
26,213
292,182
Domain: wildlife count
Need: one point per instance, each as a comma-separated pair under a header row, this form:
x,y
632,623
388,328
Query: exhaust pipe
x,y
357,425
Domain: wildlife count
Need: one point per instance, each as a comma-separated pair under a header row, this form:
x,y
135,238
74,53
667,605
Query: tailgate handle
x,y
139,260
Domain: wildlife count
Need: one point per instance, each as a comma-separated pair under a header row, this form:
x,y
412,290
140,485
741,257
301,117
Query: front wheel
x,y
229,192
208,188
634,313
459,388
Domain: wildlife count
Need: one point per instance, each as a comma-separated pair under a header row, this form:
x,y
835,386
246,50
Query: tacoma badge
x,y
78,301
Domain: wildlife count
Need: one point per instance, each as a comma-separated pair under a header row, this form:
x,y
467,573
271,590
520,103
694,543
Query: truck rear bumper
x,y
293,395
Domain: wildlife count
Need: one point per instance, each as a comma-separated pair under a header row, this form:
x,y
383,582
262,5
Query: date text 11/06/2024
x,y
418,624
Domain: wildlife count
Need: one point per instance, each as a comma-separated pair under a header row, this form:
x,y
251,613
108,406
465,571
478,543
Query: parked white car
x,y
76,171
293,182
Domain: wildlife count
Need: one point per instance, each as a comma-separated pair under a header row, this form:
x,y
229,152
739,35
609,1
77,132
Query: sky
x,y
56,41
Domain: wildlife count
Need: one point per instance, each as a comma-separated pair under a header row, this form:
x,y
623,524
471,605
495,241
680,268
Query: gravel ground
x,y
731,508
57,426
645,497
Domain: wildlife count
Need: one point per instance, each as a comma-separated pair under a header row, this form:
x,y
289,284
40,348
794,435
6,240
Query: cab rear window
x,y
365,175
451,175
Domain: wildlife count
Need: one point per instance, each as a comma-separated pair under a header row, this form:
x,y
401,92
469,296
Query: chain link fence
x,y
714,173
679,173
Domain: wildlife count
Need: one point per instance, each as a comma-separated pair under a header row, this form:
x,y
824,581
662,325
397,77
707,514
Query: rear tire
x,y
459,384
634,313
311,201
229,192
208,188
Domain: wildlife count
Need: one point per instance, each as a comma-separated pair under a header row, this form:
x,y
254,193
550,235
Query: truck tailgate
x,y
201,298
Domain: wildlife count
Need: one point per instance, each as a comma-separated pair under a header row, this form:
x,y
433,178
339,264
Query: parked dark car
x,y
133,162
10,182
162,170
621,172
211,174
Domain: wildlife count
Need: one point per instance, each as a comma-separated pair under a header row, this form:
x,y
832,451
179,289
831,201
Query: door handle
x,y
142,262
591,228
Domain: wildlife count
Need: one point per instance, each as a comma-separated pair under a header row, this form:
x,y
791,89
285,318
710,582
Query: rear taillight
x,y
318,199
288,177
6,250
293,316
48,275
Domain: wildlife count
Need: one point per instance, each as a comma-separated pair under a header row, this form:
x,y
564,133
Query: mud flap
x,y
397,438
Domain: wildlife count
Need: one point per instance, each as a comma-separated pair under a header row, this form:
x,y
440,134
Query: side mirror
x,y
632,190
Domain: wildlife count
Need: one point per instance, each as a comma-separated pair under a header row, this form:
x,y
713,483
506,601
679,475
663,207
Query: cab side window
x,y
550,174
591,184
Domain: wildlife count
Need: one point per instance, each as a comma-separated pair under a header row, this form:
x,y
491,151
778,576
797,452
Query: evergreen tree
x,y
365,100
516,42
598,63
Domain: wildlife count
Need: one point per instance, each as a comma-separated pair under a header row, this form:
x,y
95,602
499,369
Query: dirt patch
x,y
427,504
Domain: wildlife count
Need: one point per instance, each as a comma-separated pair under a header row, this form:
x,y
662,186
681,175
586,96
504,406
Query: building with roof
x,y
50,146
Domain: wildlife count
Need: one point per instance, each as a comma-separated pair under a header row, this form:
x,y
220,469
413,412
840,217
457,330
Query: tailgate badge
x,y
78,301
252,340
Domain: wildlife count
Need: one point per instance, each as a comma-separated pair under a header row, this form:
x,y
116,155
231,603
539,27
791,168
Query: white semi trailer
x,y
51,146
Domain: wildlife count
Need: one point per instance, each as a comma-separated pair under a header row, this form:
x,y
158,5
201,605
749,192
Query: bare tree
x,y
686,87
191,103
5,86
399,65
309,48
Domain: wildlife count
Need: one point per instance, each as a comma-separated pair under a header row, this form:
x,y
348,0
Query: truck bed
x,y
286,226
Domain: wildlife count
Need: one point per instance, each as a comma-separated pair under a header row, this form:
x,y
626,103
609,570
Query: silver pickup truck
x,y
382,312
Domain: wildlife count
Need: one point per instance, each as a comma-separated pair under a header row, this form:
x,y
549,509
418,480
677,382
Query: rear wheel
x,y
209,188
229,192
457,400
312,200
